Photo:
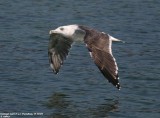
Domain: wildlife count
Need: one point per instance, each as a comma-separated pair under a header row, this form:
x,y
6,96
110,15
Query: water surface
x,y
28,85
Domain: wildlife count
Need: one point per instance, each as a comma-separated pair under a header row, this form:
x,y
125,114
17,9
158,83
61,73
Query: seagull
x,y
98,44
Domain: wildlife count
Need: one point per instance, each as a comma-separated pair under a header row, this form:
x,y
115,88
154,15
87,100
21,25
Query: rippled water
x,y
27,84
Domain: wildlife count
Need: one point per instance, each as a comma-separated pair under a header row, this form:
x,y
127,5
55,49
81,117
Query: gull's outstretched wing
x,y
101,52
58,49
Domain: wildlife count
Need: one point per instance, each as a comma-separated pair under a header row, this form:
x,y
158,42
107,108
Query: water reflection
x,y
103,109
57,100
63,108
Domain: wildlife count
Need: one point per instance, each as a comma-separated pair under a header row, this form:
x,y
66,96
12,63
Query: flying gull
x,y
98,44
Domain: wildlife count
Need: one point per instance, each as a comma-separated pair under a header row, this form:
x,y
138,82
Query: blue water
x,y
27,84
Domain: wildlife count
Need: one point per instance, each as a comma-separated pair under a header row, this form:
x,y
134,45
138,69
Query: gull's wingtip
x,y
118,86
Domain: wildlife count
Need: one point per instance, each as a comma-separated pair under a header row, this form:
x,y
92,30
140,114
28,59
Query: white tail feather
x,y
114,39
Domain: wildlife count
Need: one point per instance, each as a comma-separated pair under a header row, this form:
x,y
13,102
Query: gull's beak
x,y
52,31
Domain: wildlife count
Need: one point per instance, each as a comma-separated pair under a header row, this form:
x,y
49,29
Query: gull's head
x,y
66,31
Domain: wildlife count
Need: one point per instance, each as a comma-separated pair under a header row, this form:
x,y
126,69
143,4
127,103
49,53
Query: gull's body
x,y
98,43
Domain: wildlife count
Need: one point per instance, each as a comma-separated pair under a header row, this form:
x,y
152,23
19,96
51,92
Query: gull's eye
x,y
62,28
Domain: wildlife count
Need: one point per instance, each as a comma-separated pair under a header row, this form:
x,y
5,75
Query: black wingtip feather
x,y
118,86
56,72
110,78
